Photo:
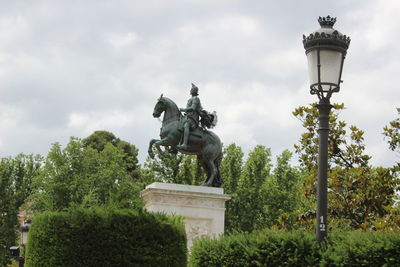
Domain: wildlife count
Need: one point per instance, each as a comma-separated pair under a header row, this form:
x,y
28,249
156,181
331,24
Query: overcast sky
x,y
68,68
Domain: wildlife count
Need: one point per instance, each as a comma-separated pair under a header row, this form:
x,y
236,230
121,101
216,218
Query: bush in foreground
x,y
99,237
298,248
363,249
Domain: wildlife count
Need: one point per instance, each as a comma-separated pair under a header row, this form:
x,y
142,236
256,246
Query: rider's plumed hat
x,y
195,89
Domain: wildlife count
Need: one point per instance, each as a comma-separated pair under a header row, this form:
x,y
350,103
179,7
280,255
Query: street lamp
x,y
326,50
15,250
24,232
24,240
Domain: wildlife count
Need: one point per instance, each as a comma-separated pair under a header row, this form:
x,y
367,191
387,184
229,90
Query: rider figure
x,y
191,118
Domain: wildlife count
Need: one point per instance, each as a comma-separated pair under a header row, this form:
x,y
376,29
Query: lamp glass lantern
x,y
326,50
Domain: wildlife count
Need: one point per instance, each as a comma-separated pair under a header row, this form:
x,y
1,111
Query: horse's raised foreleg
x,y
162,142
150,150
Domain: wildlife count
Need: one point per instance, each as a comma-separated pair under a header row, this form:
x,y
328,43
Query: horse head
x,y
159,107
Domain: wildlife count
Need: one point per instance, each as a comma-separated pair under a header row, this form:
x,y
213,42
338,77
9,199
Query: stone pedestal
x,y
203,207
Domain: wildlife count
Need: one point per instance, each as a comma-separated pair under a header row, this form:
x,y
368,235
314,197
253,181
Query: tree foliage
x,y
283,193
231,171
16,175
392,133
231,167
360,196
346,145
364,197
177,169
248,203
83,176
99,139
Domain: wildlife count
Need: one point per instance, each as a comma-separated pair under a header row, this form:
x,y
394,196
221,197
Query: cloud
x,y
12,29
383,21
119,41
90,122
69,68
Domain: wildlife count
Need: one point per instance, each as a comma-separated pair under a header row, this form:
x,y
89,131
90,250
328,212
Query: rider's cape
x,y
208,120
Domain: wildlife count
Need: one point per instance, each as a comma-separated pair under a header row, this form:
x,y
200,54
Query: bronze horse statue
x,y
203,143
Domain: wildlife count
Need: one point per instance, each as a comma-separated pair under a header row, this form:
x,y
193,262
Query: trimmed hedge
x,y
298,248
99,237
363,249
266,248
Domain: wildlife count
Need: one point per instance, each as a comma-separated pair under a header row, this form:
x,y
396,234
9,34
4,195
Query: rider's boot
x,y
185,138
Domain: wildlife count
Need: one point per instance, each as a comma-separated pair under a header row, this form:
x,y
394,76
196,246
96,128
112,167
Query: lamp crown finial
x,y
326,22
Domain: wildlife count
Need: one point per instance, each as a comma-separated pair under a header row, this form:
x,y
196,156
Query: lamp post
x,y
326,50
24,232
15,250
24,240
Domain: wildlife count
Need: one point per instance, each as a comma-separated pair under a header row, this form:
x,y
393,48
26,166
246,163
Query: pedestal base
x,y
203,207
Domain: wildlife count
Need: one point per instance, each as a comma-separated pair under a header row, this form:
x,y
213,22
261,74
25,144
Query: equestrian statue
x,y
188,133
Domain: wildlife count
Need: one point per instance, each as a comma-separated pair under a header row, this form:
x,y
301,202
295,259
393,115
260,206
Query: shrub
x,y
262,248
298,248
100,237
363,249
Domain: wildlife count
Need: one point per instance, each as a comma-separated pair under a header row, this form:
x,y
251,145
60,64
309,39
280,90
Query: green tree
x,y
83,176
99,139
363,197
162,169
248,205
231,171
199,175
392,133
16,175
352,203
177,168
190,171
283,193
342,151
231,167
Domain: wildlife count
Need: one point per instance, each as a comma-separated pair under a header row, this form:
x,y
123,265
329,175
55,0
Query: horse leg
x,y
162,142
212,172
204,166
150,150
218,181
